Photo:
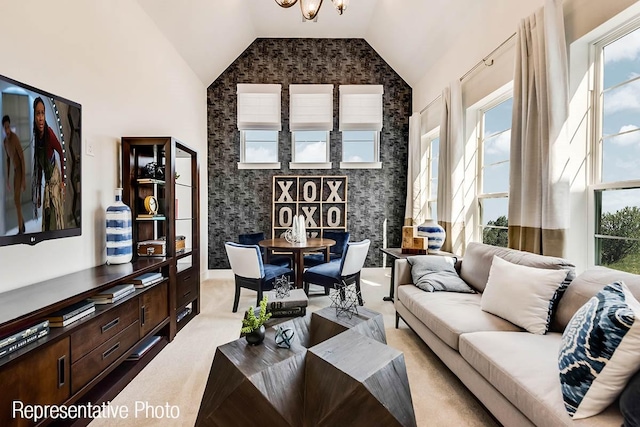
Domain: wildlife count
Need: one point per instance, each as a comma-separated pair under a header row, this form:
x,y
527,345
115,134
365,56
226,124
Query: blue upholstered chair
x,y
333,273
254,238
335,251
250,272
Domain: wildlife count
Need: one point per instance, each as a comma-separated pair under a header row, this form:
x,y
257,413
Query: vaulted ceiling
x,y
409,34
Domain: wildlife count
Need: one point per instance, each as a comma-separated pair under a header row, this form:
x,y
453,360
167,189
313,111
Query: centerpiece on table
x,y
252,326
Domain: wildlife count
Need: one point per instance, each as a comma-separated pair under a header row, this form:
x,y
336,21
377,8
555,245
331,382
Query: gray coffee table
x,y
339,371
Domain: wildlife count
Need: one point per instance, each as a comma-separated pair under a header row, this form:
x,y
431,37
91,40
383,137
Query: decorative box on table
x,y
158,247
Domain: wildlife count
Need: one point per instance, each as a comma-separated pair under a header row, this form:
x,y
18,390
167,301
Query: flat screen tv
x,y
40,172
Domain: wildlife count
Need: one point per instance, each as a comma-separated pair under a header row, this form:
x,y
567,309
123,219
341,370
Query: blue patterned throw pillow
x,y
600,351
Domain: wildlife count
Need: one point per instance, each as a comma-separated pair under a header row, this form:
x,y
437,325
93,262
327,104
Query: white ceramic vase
x,y
434,233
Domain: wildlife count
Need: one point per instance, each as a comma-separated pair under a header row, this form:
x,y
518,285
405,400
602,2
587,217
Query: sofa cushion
x,y
449,314
522,295
585,286
600,351
523,367
478,257
436,273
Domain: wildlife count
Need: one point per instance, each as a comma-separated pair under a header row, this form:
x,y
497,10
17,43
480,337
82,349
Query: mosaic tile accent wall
x,y
240,200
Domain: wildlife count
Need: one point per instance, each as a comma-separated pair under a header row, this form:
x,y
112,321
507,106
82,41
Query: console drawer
x,y
96,361
186,288
102,328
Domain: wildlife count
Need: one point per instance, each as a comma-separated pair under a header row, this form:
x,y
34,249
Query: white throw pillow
x,y
522,295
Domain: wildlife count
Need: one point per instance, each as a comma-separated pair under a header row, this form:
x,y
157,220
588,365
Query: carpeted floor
x,y
173,383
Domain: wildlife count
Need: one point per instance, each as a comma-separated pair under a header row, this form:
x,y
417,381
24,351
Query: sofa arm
x,y
402,273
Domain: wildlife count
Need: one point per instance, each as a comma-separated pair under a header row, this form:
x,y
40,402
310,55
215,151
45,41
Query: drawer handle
x,y
107,353
187,278
143,315
110,325
61,375
183,296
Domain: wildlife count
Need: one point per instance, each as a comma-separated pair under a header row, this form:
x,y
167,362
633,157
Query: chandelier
x,y
310,8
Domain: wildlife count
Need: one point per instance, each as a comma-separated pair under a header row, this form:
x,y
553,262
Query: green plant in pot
x,y
252,326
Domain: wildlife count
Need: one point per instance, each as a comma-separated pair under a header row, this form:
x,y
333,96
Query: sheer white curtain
x,y
451,169
539,193
412,213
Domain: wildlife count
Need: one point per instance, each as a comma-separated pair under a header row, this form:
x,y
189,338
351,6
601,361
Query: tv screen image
x,y
40,196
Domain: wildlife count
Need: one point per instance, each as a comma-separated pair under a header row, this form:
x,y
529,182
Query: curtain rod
x,y
431,103
483,61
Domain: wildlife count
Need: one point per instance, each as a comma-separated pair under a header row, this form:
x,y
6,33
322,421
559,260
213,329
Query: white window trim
x,y
425,173
360,165
474,116
595,166
376,164
310,165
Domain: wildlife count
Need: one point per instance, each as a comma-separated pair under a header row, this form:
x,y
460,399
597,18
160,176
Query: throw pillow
x,y
436,273
522,295
600,351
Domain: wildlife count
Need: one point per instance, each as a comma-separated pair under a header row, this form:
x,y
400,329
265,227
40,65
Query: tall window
x,y
360,125
616,171
430,149
310,122
494,141
259,122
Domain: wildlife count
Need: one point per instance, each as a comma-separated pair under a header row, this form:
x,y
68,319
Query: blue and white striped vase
x,y
119,232
434,233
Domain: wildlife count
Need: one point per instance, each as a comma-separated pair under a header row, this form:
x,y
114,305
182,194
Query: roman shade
x,y
259,107
361,107
310,107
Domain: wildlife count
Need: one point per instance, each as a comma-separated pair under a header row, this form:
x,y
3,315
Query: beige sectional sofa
x,y
512,372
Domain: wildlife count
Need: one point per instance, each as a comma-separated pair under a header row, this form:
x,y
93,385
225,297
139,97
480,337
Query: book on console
x,y
70,311
74,318
5,351
25,333
146,278
142,348
115,291
288,312
105,299
149,283
296,298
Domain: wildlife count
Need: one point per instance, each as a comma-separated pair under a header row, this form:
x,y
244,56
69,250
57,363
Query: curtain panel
x,y
451,169
412,212
539,193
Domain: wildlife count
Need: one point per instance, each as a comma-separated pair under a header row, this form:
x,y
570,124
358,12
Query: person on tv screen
x,y
15,155
46,145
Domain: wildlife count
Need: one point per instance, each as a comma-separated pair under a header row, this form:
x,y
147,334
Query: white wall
x,y
111,58
581,17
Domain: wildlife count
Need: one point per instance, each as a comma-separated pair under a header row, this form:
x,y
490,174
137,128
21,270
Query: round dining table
x,y
298,250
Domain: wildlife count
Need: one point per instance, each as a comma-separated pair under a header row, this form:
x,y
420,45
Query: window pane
x,y
434,189
621,108
435,156
621,59
260,146
619,157
310,146
358,146
498,118
497,148
620,219
495,178
494,221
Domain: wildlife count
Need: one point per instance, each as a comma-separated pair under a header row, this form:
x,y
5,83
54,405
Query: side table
x,y
396,253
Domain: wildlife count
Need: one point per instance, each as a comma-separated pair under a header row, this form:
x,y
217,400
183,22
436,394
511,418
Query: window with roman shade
x,y
360,124
310,121
259,124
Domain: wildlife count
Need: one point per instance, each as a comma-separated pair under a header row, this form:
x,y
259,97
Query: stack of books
x,y
18,340
293,305
71,314
113,294
147,279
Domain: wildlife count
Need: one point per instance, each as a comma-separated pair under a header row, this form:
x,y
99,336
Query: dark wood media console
x,y
86,360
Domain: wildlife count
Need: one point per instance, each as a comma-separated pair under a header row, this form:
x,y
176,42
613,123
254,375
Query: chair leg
x,y
236,300
359,293
259,297
397,320
326,290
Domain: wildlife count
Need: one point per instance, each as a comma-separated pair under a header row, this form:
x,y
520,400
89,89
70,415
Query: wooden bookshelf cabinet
x,y
176,190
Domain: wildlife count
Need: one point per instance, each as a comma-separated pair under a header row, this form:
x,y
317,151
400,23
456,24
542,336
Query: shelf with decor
x,y
160,185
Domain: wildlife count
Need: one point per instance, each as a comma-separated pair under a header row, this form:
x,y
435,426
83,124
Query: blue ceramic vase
x,y
119,232
434,233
